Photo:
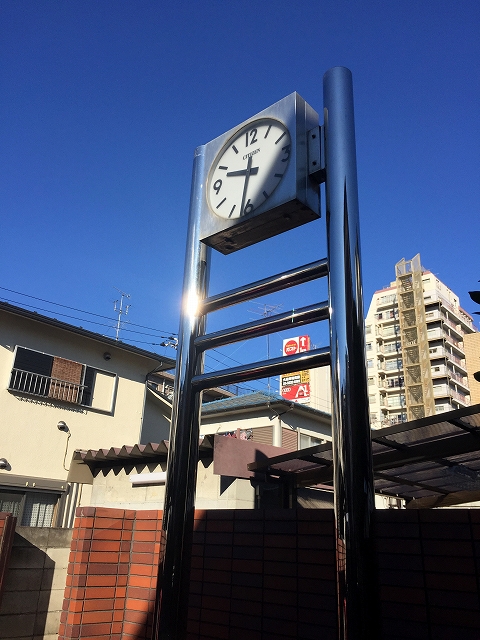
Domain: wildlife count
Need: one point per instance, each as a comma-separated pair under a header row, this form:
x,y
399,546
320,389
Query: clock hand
x,y
245,186
243,172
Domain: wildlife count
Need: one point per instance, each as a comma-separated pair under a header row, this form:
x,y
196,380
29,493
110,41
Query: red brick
x,y
98,604
145,525
108,523
139,581
247,566
104,556
98,568
141,569
105,545
74,606
107,534
136,630
213,630
74,618
96,616
144,536
96,629
211,602
143,547
139,617
151,514
142,558
222,577
140,593
106,512
101,581
137,605
99,592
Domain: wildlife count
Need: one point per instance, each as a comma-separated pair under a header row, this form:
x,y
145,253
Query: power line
x,y
65,306
101,324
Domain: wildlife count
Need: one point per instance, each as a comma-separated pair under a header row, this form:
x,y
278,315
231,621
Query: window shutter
x,y
33,361
263,435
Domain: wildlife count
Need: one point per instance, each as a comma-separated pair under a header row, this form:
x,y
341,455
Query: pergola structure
x,y
429,462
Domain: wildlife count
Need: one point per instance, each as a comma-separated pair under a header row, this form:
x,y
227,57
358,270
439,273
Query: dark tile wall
x,y
270,574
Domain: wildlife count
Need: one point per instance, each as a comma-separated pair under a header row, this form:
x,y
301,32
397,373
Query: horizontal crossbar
x,y
272,324
284,280
263,369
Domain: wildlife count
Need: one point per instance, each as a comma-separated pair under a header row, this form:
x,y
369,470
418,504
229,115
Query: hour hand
x,y
243,172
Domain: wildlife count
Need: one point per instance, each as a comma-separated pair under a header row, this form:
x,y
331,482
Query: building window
x,y
368,329
369,346
307,441
371,381
372,398
32,508
369,364
55,378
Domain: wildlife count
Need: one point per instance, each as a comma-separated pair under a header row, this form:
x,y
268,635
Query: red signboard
x,y
296,386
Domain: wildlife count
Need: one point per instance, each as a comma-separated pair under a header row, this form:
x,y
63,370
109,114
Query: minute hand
x,y
243,172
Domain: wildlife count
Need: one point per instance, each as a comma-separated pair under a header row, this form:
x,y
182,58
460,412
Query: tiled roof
x,y
166,363
256,399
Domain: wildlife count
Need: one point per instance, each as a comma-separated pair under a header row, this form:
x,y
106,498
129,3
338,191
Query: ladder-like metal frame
x,y
353,478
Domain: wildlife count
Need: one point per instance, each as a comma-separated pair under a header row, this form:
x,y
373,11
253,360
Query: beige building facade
x,y
472,356
415,349
63,388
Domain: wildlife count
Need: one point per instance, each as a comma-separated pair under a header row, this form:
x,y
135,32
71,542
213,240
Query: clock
x,y
253,182
249,168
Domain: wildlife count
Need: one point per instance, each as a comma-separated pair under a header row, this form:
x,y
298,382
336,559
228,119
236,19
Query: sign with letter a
x,y
296,386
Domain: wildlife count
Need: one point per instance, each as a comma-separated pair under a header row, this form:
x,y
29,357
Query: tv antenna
x,y
118,308
267,311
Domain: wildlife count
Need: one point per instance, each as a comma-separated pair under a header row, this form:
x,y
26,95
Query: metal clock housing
x,y
256,178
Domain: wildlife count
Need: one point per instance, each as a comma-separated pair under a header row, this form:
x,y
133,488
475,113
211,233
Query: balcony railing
x,y
35,384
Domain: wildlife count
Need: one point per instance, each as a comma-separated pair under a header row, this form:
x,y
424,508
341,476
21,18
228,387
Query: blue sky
x,y
103,103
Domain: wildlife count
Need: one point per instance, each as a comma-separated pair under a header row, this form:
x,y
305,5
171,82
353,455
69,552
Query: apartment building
x,y
415,352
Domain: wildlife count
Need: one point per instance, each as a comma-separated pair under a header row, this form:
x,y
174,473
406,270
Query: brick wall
x,y
270,574
67,371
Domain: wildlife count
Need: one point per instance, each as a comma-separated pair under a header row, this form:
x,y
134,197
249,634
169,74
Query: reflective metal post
x,y
352,453
170,616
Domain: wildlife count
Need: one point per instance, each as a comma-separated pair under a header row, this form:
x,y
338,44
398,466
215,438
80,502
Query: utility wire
x,y
65,306
101,324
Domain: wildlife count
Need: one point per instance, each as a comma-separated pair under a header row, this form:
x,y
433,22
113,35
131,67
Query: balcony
x,y
444,391
34,384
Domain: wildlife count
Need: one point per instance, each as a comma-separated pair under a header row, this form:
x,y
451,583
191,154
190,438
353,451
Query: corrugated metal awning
x,y
429,462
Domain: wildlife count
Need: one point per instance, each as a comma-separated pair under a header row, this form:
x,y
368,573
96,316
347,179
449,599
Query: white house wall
x,y
30,439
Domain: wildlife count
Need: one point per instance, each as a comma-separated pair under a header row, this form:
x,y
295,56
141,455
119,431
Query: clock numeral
x,y
283,134
233,209
217,186
234,148
248,208
278,175
265,195
287,152
220,203
268,131
224,168
253,137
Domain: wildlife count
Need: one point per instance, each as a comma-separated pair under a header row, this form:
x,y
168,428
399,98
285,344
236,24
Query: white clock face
x,y
249,168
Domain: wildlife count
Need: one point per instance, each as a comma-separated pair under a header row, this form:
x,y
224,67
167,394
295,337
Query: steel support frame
x,y
352,451
354,502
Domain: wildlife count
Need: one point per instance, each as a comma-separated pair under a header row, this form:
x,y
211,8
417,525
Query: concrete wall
x,y
34,584
112,487
32,420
